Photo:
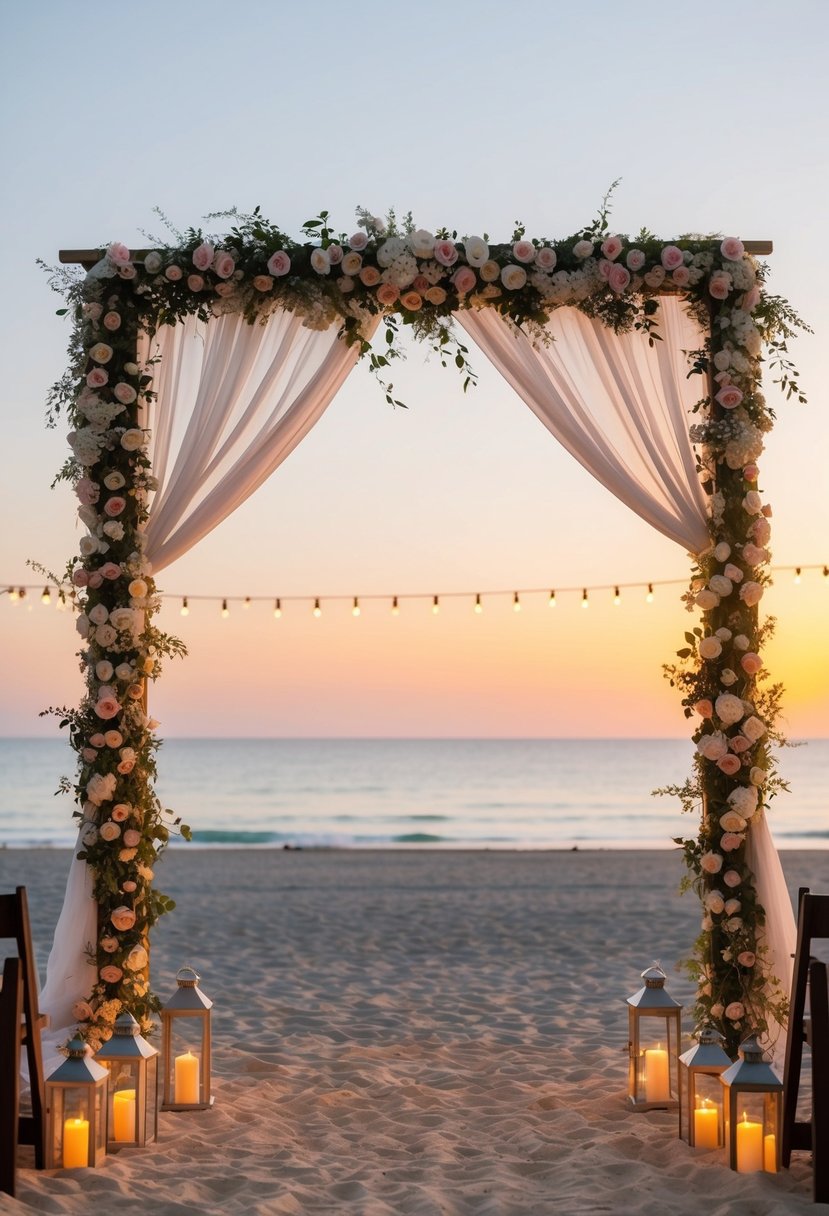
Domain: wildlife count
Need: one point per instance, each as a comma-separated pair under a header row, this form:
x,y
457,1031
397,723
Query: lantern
x,y
752,1098
76,1111
132,1099
653,1044
700,1092
185,1046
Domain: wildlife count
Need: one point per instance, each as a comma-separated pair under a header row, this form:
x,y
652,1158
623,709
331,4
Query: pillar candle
x,y
770,1153
749,1146
187,1079
657,1085
75,1143
123,1114
706,1125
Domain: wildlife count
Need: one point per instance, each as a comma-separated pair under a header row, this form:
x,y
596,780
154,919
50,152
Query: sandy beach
x,y
431,1034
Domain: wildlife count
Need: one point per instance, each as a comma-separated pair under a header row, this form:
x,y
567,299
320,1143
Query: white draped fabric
x,y
620,406
233,401
779,935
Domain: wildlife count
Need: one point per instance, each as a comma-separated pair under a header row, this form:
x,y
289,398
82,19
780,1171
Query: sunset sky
x,y
472,115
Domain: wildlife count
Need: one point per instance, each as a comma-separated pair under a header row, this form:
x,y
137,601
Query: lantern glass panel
x,y
188,1060
77,1125
752,1131
654,1058
701,1111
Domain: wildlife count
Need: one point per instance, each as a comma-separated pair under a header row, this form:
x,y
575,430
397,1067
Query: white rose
x,y
751,594
133,439
741,641
728,708
706,600
714,902
152,262
757,775
351,264
477,251
713,746
105,635
727,677
87,546
753,729
114,480
137,959
123,618
422,243
752,503
82,625
320,261
124,671
104,670
98,615
732,822
710,648
722,551
723,633
582,249
744,800
513,277
114,530
732,907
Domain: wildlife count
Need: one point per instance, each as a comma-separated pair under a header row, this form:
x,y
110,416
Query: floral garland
x,y
419,279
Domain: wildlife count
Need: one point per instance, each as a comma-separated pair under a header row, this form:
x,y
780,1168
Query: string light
x,y
797,575
277,608
247,602
46,597
478,605
185,607
516,603
355,609
649,596
551,602
317,609
395,607
617,599
225,609
14,594
435,605
585,603
826,571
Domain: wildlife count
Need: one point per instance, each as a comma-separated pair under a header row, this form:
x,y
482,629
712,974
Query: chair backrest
x,y
11,1012
14,923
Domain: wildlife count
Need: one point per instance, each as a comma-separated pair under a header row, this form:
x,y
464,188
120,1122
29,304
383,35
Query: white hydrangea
x,y
402,271
390,249
87,444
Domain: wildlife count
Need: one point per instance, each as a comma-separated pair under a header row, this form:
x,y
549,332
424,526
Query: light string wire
x,y
20,591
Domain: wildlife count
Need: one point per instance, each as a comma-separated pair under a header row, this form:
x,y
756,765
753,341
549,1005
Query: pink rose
x,y
358,241
546,258
761,531
751,472
751,594
732,878
522,251
124,393
89,754
279,263
732,249
127,272
110,570
120,813
604,268
87,491
751,299
412,301
731,840
109,944
635,259
113,738
729,764
263,282
464,280
420,283
114,506
203,256
681,276
387,293
704,708
713,746
95,580
107,708
445,253
618,278
97,378
123,918
97,740
729,397
110,974
751,663
611,248
132,838
369,276
195,282
672,257
735,1011
80,578
335,254
746,958
733,572
126,766
711,863
739,744
118,254
173,273
223,290
129,886
223,264
719,285
112,321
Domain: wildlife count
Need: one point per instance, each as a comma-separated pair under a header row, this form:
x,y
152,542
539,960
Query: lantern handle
x,y
187,981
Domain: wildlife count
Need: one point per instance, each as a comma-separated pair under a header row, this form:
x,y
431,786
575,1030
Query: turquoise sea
x,y
403,793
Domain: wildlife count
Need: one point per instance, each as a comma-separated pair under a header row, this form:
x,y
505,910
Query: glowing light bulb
x,y
46,597
317,609
395,607
247,602
185,607
797,574
649,596
617,599
478,605
355,610
14,594
435,605
21,593
277,608
552,600
225,609
585,603
516,603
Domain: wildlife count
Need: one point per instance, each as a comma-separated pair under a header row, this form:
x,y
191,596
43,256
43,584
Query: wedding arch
x,y
199,364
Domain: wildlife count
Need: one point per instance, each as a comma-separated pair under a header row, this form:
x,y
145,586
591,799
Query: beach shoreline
x,y
416,1032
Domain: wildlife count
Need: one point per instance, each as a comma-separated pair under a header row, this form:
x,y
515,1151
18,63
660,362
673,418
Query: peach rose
x,y
729,764
123,918
109,831
751,593
120,813
132,838
127,854
263,282
388,294
113,738
412,301
711,863
110,974
732,878
751,663
82,1011
369,276
173,273
279,263
109,944
223,264
435,295
735,1011
107,707
129,886
704,708
731,841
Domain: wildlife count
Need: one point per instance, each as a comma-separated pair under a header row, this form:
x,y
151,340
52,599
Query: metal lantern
x,y
76,1111
752,1098
185,1045
700,1092
653,1044
132,1099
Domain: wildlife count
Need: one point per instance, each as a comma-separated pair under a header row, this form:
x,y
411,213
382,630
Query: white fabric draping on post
x,y
233,401
620,406
779,934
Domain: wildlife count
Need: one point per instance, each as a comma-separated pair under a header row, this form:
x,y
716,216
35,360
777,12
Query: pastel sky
x,y
471,114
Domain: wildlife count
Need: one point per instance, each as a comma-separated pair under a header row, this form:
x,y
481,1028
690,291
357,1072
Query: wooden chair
x,y
11,1012
14,923
811,1028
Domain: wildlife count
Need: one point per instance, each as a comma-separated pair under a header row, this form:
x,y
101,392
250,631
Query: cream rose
x,y
109,831
711,863
137,959
132,439
728,708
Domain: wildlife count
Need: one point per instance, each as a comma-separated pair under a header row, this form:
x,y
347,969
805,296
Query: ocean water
x,y
405,793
